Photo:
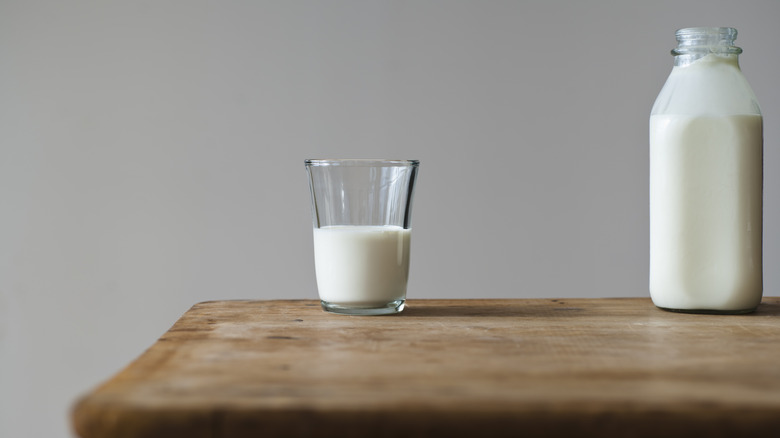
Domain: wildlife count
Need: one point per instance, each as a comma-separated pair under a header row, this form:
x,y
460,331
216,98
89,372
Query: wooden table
x,y
536,367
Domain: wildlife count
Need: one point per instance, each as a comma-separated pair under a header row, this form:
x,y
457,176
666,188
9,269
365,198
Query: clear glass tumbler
x,y
362,210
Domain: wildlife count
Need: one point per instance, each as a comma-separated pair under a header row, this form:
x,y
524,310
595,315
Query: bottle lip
x,y
723,33
698,40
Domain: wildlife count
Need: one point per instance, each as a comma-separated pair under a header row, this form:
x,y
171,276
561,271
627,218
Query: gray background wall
x,y
151,156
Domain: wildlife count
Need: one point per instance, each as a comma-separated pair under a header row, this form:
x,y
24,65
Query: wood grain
x,y
537,367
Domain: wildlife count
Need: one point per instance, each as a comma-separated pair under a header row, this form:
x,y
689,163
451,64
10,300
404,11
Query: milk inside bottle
x,y
706,179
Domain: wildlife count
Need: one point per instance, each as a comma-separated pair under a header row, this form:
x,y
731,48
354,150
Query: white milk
x,y
711,85
706,211
706,178
362,265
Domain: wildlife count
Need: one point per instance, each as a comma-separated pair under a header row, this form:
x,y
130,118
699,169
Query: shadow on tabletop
x,y
552,307
500,308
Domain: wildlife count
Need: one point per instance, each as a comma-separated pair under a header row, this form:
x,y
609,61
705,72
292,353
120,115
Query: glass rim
x,y
361,162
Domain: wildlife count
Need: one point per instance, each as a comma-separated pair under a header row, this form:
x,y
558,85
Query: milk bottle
x,y
706,180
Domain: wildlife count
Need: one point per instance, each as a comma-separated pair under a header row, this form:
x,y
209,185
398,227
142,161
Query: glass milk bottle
x,y
706,180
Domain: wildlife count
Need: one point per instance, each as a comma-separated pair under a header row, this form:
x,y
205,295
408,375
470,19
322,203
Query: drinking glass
x,y
361,212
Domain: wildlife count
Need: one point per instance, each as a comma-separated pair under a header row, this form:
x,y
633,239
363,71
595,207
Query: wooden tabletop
x,y
533,367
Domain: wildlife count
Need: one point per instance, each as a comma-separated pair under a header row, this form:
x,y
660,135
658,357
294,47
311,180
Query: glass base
x,y
709,311
390,308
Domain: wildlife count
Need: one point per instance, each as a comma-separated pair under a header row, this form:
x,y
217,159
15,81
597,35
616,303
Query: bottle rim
x,y
725,33
691,40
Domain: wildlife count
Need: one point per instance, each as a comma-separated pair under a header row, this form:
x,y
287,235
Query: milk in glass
x,y
362,265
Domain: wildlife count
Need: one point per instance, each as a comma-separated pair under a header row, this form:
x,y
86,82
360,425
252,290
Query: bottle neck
x,y
686,59
697,42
